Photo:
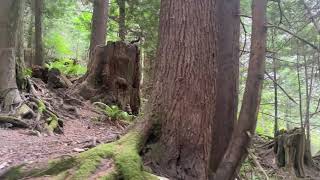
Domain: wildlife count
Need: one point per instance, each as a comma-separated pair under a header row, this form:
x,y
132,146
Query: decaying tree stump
x,y
290,150
114,76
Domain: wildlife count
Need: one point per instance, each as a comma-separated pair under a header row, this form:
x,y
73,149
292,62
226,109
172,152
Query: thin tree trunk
x,y
227,78
39,60
122,19
184,87
98,26
31,25
237,150
299,89
308,156
20,64
276,127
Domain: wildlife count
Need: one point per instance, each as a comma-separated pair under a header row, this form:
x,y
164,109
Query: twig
x,y
256,162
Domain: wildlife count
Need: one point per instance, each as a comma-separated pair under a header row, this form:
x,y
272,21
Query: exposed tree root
x,y
14,121
124,152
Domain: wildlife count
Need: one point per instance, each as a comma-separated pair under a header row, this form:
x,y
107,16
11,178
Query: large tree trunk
x,y
114,77
39,60
227,78
237,150
10,13
184,87
98,26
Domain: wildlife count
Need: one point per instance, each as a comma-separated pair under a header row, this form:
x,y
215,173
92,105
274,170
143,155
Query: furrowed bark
x,y
184,87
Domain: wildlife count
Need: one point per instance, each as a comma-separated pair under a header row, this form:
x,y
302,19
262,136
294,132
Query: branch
x,y
296,36
265,72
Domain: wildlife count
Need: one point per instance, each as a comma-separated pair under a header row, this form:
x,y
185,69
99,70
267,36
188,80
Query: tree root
x,y
14,121
53,122
124,152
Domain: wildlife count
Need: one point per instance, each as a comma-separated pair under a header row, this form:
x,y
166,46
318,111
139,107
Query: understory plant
x,y
113,112
67,66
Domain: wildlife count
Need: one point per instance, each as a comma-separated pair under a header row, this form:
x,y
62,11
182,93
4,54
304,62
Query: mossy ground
x,y
124,152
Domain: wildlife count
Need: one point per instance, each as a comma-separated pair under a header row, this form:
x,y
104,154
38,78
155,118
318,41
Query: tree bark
x,y
20,63
114,76
10,13
309,88
39,60
98,26
184,87
227,77
237,150
122,19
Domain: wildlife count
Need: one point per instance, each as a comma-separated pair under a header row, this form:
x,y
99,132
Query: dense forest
x,y
160,89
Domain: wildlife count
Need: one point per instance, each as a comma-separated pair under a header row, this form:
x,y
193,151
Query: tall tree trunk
x,y
184,91
10,14
98,26
227,77
237,150
122,19
308,155
20,64
39,60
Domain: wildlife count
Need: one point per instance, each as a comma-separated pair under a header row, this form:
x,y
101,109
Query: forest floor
x,y
262,161
81,132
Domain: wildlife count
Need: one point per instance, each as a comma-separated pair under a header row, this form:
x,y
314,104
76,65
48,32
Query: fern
x,y
114,112
67,66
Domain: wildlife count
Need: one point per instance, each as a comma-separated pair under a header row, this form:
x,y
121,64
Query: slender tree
x,y
184,92
98,26
122,19
227,77
237,150
39,60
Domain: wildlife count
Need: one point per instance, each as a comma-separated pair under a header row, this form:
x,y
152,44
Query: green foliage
x,y
27,73
114,112
57,44
68,67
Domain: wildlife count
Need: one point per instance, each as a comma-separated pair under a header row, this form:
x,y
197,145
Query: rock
x,y
78,150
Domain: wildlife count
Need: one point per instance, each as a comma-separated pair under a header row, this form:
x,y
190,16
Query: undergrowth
x,y
67,66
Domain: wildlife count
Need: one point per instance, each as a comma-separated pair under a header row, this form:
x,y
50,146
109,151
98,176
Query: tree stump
x,y
290,150
114,76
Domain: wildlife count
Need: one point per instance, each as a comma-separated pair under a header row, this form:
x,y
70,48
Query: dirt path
x,y
18,146
21,146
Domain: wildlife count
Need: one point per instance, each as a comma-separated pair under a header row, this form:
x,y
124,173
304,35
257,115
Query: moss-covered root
x,y
124,152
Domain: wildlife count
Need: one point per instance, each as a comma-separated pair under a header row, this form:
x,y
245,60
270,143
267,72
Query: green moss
x,y
111,176
13,173
124,152
58,166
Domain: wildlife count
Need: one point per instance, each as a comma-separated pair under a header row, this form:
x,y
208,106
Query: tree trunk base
x,y
9,93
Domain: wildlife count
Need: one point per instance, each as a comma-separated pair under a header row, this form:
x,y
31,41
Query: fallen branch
x,y
256,162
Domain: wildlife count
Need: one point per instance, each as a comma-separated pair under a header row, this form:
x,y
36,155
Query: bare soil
x,y
80,132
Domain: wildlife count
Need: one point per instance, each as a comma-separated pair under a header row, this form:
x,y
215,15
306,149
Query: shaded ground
x,y
262,149
80,132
